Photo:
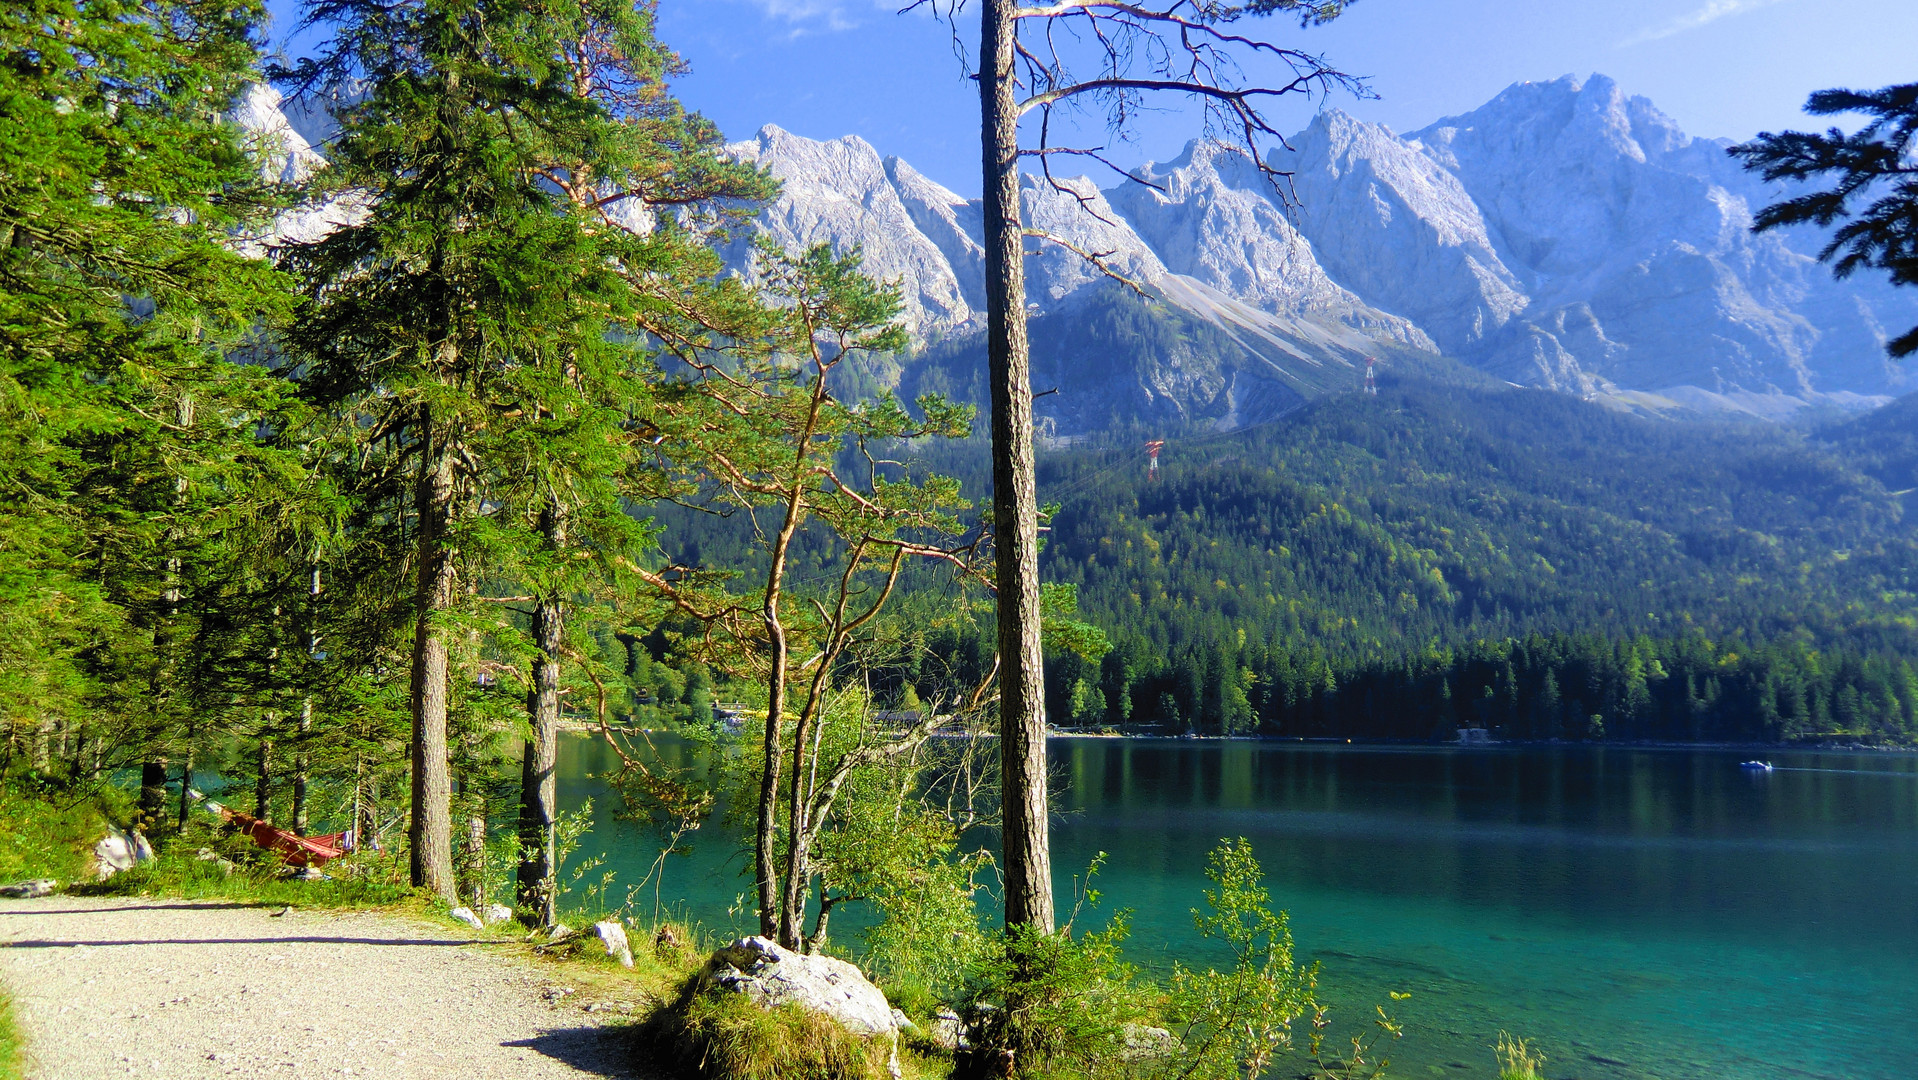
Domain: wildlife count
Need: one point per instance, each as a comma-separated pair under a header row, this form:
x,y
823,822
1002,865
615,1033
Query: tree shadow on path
x,y
596,1051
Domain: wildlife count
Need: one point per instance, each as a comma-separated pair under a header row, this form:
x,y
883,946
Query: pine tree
x,y
129,454
489,326
1873,165
417,306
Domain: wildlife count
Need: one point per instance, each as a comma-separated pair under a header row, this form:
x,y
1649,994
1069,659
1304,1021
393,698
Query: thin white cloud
x,y
1713,11
813,16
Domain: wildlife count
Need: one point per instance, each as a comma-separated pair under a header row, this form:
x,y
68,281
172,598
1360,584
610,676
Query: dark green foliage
x,y
1687,689
1872,165
1360,537
1268,567
135,459
1051,1005
1883,445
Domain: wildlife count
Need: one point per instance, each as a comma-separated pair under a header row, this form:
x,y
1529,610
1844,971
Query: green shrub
x,y
1237,1022
1055,1007
1051,1005
728,1037
49,832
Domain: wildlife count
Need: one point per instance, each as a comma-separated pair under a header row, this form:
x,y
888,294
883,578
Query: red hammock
x,y
297,850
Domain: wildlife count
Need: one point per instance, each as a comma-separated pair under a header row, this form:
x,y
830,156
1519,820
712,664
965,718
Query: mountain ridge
x,y
1564,235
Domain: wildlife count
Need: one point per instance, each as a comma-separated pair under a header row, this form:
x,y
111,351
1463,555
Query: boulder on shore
x,y
119,851
772,975
613,935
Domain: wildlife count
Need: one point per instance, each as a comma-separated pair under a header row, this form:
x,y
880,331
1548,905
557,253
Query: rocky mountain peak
x,y
1565,234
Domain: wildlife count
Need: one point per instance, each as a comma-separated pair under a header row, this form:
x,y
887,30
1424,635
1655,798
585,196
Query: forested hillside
x,y
1366,538
1435,556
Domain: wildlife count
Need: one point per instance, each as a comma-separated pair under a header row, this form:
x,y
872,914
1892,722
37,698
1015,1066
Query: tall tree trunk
x,y
431,826
186,781
361,833
153,791
765,868
263,778
301,758
1015,508
298,816
777,920
537,894
792,911
474,888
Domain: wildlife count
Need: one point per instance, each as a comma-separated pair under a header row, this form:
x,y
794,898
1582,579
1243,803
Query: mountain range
x,y
1565,235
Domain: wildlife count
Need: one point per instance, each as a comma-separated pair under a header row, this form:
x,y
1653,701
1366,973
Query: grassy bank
x,y
50,833
13,1049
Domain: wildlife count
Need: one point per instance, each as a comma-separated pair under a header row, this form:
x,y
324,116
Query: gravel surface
x,y
114,987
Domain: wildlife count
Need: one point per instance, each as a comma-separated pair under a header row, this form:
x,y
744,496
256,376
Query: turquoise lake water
x,y
1638,913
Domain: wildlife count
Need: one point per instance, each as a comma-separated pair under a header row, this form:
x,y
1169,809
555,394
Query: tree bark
x,y
263,780
298,816
153,791
431,826
766,870
775,921
537,895
476,862
1015,509
186,782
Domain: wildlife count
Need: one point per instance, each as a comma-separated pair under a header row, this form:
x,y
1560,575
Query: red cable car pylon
x,y
1152,458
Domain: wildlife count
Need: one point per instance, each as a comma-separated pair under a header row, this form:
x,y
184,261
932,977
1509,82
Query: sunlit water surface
x,y
1638,913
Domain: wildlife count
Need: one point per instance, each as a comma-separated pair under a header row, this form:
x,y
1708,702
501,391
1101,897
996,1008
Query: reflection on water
x,y
1642,913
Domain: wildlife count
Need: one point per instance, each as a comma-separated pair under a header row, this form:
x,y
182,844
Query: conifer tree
x,y
1873,189
127,435
533,233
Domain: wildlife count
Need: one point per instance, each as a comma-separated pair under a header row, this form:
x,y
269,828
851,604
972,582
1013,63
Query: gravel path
x,y
113,987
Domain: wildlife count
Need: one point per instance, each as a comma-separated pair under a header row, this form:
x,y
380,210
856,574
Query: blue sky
x,y
825,68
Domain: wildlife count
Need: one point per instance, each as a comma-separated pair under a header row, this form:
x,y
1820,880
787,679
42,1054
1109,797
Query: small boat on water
x,y
1755,766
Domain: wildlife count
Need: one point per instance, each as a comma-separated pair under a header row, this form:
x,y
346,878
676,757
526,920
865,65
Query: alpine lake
x,y
1637,913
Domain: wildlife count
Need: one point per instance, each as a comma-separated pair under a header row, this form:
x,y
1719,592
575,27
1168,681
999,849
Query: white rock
x,y
948,1031
1214,218
1395,227
1144,1042
119,851
1598,202
465,915
613,936
497,913
31,889
772,975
